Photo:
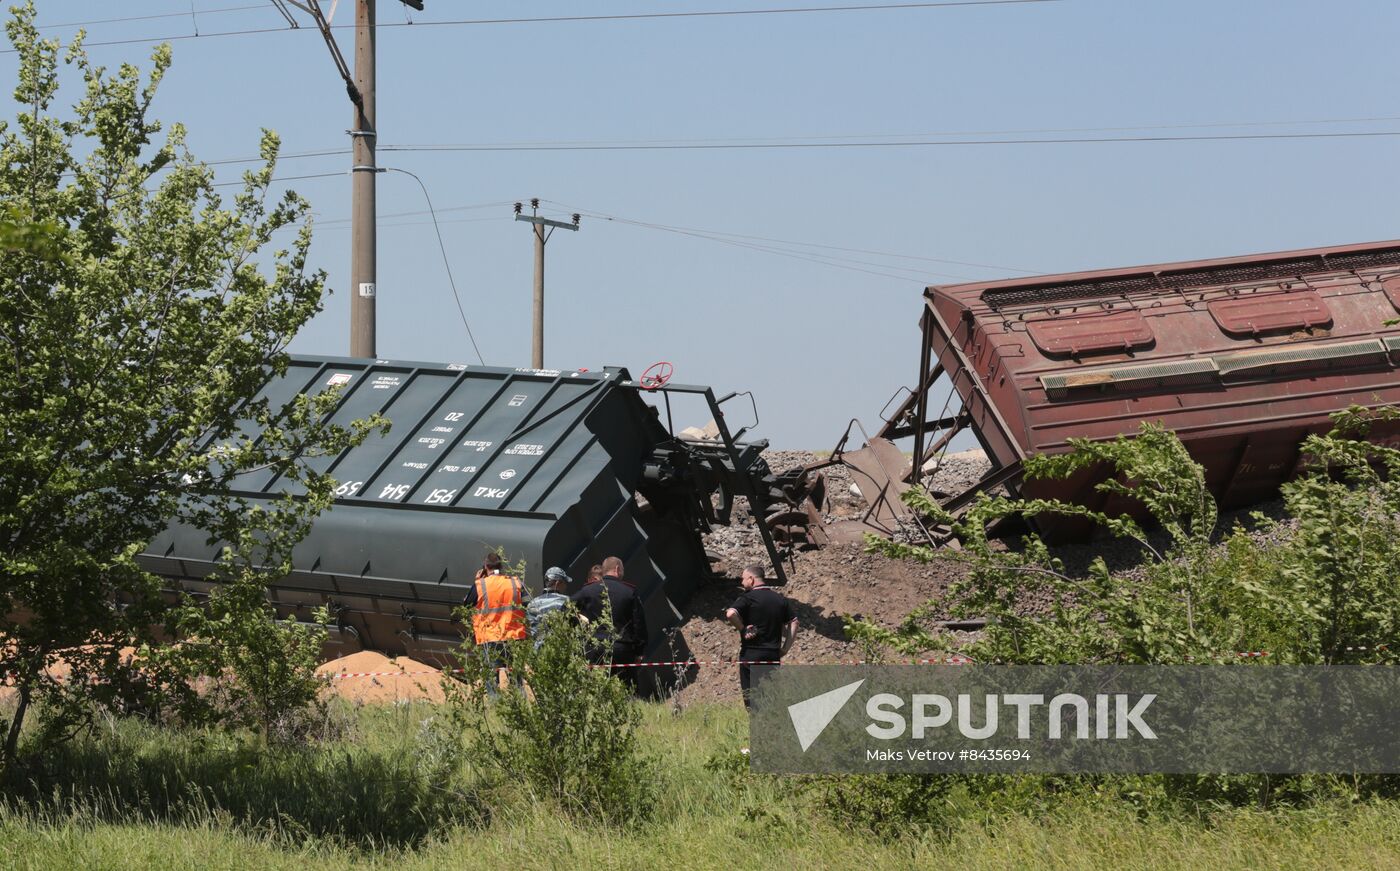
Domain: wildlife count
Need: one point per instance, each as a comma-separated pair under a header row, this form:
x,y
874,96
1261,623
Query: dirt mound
x,y
824,586
372,678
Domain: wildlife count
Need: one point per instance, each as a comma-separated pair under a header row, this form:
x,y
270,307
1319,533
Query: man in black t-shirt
x,y
766,623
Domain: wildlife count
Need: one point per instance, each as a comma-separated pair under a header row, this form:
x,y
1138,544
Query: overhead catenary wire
x,y
446,264
129,18
924,143
564,19
281,6
180,37
723,13
899,138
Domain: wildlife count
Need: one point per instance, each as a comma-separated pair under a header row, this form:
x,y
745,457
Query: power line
x,y
831,260
326,152
818,259
922,143
468,208
224,184
720,233
472,207
441,246
851,264
738,240
446,265
230,161
344,223
636,16
894,137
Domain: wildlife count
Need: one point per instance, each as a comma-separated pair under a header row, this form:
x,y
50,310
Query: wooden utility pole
x,y
542,229
363,232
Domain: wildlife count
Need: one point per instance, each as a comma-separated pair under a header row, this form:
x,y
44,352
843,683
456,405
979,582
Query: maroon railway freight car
x,y
1242,357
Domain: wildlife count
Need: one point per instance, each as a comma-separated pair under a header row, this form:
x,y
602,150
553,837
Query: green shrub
x,y
569,735
1319,586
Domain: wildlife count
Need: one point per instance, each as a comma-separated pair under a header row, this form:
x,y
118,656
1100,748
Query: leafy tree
x,y
136,328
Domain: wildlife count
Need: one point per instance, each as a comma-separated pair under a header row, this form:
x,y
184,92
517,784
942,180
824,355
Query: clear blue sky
x,y
817,343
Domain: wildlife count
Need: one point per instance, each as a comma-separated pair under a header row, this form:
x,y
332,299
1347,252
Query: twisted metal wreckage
x,y
1242,357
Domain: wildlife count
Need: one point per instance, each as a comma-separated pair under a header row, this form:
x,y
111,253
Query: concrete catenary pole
x,y
543,228
360,87
363,236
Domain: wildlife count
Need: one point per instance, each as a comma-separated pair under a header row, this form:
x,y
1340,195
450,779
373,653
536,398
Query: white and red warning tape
x,y
949,660
952,660
5,677
385,673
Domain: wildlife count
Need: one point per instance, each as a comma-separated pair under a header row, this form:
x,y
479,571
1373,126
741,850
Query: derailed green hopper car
x,y
554,467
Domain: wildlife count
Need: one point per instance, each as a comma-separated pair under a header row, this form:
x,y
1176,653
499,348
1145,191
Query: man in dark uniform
x,y
766,623
629,629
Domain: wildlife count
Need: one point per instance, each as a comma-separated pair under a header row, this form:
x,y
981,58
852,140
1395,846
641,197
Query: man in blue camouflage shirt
x,y
555,597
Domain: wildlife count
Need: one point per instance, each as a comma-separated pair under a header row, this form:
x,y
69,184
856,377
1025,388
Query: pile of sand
x,y
372,678
59,669
365,678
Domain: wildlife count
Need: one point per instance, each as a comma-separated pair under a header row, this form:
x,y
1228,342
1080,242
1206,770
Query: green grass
x,y
137,797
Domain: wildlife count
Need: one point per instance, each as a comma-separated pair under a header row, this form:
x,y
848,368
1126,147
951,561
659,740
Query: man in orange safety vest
x,y
498,616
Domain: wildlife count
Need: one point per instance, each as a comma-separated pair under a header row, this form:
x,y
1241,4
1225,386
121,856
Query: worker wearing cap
x,y
766,623
498,616
554,598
